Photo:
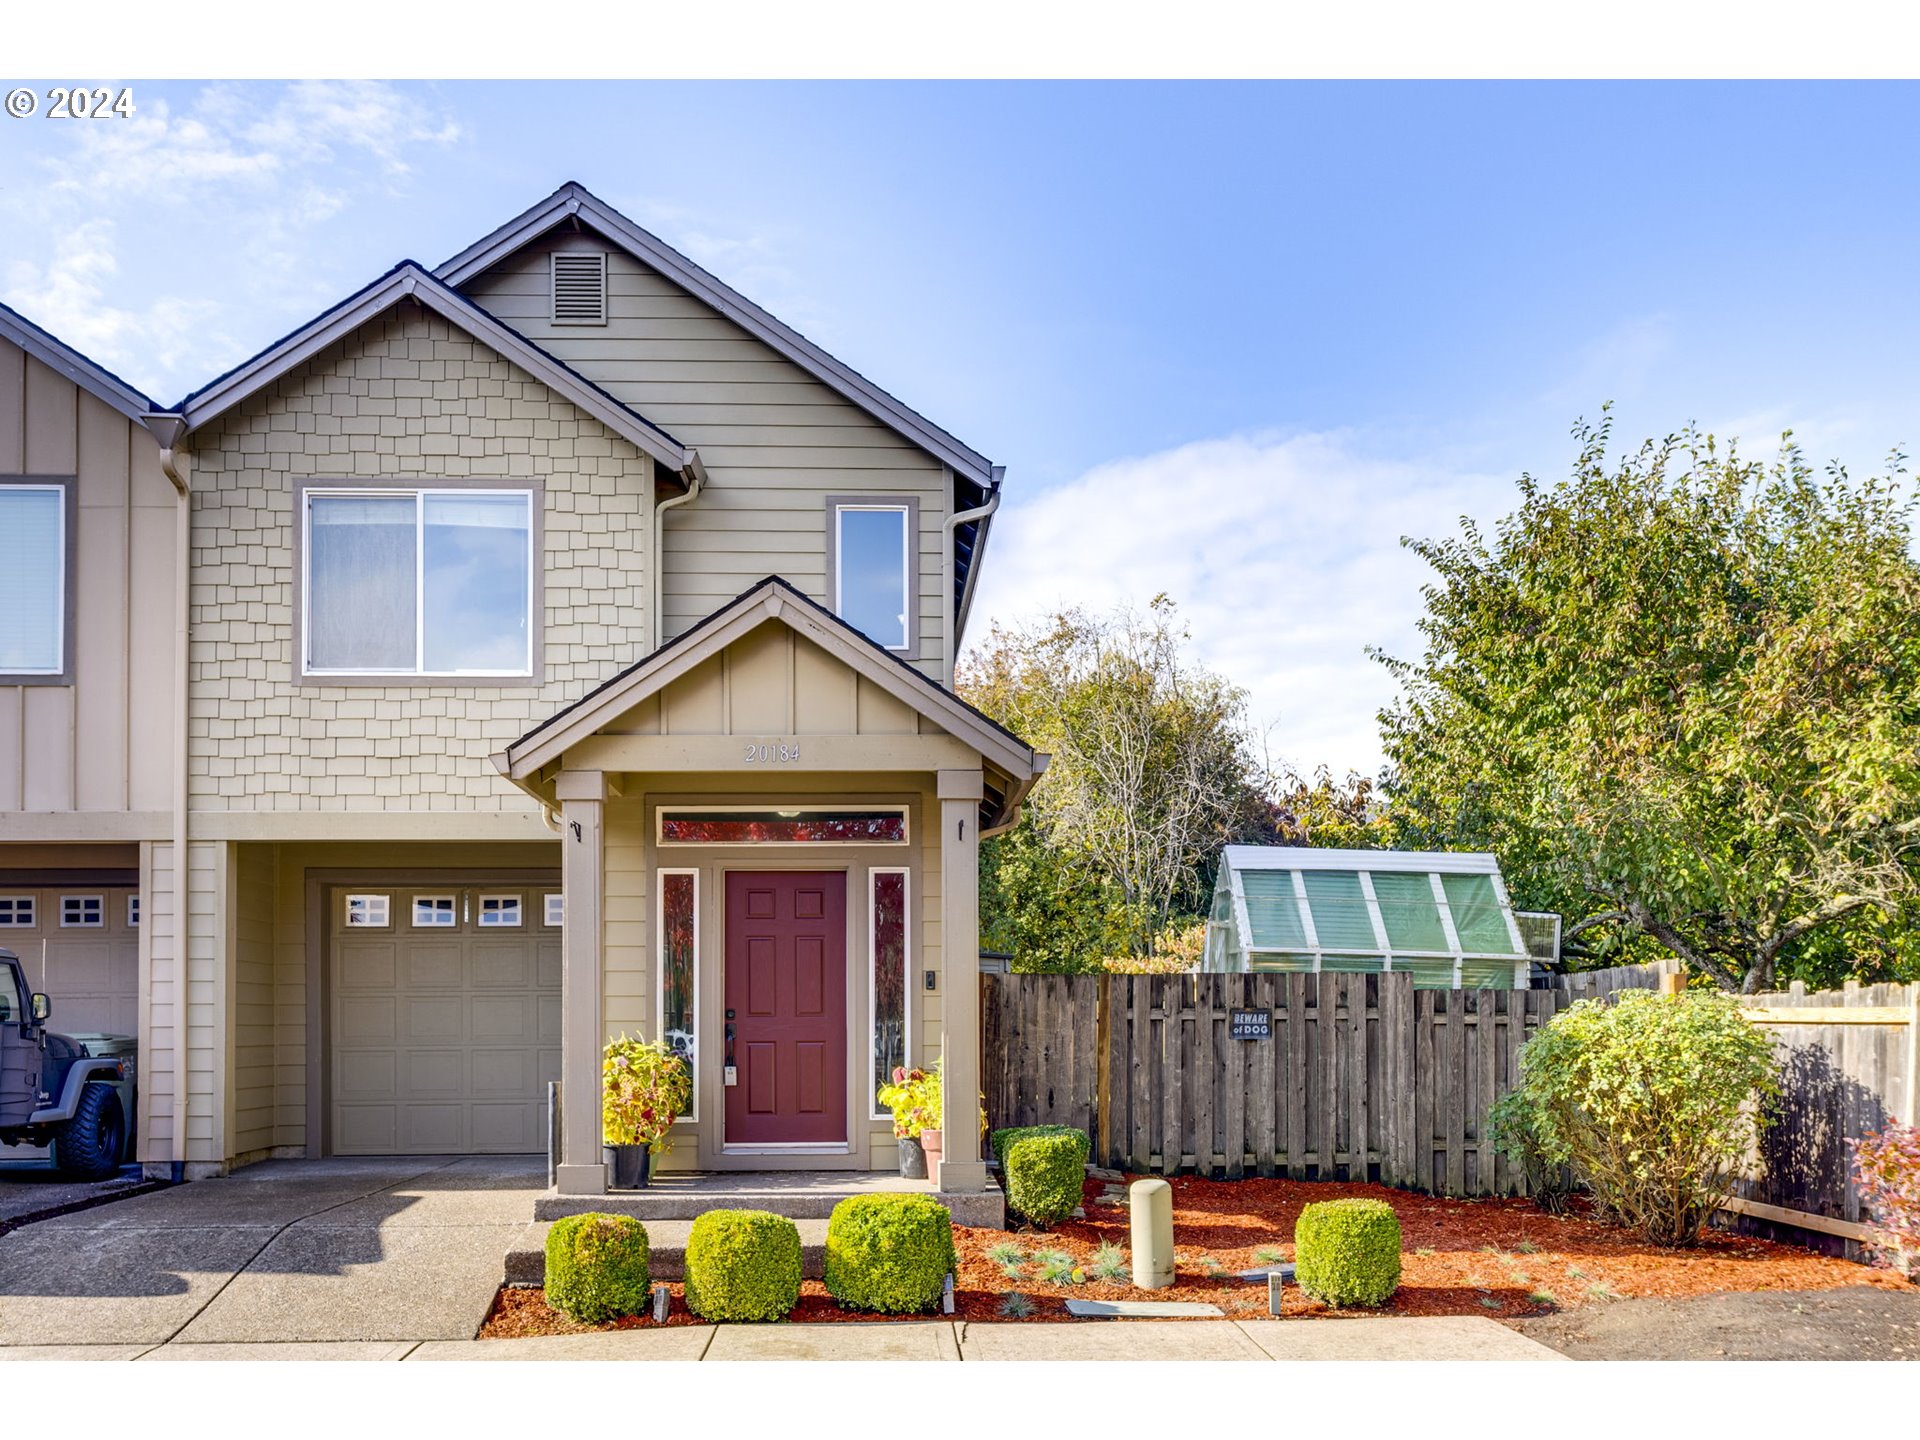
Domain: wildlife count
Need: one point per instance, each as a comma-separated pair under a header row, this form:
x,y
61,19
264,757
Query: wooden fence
x,y
1364,1077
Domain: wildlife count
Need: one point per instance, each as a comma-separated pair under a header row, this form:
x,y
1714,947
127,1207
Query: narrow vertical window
x,y
679,959
889,978
872,565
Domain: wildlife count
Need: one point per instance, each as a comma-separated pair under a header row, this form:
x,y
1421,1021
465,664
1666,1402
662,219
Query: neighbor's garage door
x,y
92,952
445,1019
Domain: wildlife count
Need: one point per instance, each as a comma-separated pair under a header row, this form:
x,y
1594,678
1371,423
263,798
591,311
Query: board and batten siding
x,y
407,398
775,441
102,743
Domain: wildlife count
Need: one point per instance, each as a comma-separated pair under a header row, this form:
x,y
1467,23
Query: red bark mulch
x,y
1499,1258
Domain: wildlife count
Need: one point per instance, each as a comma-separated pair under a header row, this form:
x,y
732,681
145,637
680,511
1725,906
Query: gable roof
x,y
410,280
64,360
573,200
773,599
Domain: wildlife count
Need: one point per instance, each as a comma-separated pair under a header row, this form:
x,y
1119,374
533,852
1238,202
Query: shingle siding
x,y
409,397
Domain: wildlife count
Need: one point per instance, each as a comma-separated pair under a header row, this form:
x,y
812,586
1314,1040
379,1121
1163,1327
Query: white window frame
x,y
99,921
17,905
417,493
60,670
553,909
133,911
452,912
905,873
376,907
660,973
905,511
797,812
503,897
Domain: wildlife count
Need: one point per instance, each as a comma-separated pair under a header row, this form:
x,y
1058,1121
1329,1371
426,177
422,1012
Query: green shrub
x,y
1046,1174
1510,1126
1655,1101
1347,1252
1001,1139
743,1265
890,1253
597,1267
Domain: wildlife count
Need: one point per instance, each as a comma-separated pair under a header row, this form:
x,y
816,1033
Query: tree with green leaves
x,y
1680,696
1153,770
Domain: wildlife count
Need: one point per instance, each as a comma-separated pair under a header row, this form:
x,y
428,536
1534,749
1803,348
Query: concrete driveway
x,y
287,1250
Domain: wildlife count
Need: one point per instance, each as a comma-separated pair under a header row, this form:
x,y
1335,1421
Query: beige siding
x,y
776,442
252,1011
408,397
102,743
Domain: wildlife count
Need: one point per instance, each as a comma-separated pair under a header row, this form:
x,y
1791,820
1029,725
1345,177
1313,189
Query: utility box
x,y
1150,1204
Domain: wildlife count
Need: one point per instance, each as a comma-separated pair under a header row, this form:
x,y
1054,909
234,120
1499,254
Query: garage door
x,y
91,936
445,1019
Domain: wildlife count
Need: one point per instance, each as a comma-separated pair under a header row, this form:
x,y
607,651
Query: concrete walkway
x,y
383,1251
1387,1338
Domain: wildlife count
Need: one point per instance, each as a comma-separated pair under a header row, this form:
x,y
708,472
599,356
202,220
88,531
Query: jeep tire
x,y
89,1146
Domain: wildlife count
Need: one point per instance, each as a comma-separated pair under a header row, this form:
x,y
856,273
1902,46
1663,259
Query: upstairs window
x,y
34,560
418,582
871,554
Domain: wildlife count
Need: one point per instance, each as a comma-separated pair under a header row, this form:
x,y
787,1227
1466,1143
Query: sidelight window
x,y
679,932
887,890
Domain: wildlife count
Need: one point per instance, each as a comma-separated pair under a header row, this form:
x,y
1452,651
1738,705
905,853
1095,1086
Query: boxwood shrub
x,y
743,1265
597,1267
1046,1173
890,1253
1001,1139
1347,1252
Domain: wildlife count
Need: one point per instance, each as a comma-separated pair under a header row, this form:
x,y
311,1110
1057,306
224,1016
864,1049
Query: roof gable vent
x,y
579,288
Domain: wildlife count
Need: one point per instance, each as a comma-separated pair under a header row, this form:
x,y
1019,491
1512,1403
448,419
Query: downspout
x,y
954,522
168,430
696,478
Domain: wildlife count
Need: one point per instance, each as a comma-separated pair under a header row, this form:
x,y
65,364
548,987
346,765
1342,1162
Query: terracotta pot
x,y
913,1159
930,1142
627,1165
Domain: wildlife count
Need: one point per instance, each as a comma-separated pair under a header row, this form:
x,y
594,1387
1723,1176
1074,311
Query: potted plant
x,y
914,1099
644,1088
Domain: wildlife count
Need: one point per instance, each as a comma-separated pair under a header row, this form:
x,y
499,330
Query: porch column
x,y
961,1168
582,795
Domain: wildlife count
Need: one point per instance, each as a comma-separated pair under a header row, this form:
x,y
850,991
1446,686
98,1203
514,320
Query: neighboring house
x,y
569,649
1442,916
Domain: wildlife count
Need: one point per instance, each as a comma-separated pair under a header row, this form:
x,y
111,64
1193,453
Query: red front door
x,y
787,1007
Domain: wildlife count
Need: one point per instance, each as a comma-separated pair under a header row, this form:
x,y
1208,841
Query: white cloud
x,y
67,295
270,165
1283,553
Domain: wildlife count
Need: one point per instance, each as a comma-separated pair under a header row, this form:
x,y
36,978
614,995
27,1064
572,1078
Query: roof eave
x,y
574,201
69,363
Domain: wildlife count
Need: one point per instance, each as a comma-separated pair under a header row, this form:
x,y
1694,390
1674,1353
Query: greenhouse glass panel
x,y
1486,974
1273,914
1476,914
1280,963
1428,974
1353,964
1411,914
1340,918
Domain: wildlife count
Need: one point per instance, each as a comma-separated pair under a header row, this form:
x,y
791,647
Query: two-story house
x,y
542,647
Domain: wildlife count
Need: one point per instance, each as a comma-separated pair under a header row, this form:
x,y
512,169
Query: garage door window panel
x,y
500,912
16,912
434,912
83,912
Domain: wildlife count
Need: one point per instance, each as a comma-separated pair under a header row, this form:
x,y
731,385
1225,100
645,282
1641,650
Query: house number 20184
x,y
778,754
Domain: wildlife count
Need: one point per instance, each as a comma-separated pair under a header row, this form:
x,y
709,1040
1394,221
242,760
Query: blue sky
x,y
1231,341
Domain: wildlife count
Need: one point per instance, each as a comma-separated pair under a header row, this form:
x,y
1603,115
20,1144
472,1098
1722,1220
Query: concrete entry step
x,y
667,1250
797,1195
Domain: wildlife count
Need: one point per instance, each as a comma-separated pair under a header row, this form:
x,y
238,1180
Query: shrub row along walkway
x,y
1461,1338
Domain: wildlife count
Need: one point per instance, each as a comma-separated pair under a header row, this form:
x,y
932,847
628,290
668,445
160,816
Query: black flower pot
x,y
913,1160
628,1165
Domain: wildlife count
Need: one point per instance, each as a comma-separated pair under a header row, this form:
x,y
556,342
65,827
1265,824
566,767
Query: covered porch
x,y
769,834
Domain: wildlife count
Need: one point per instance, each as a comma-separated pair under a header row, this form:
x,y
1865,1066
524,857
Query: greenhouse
x,y
1442,916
